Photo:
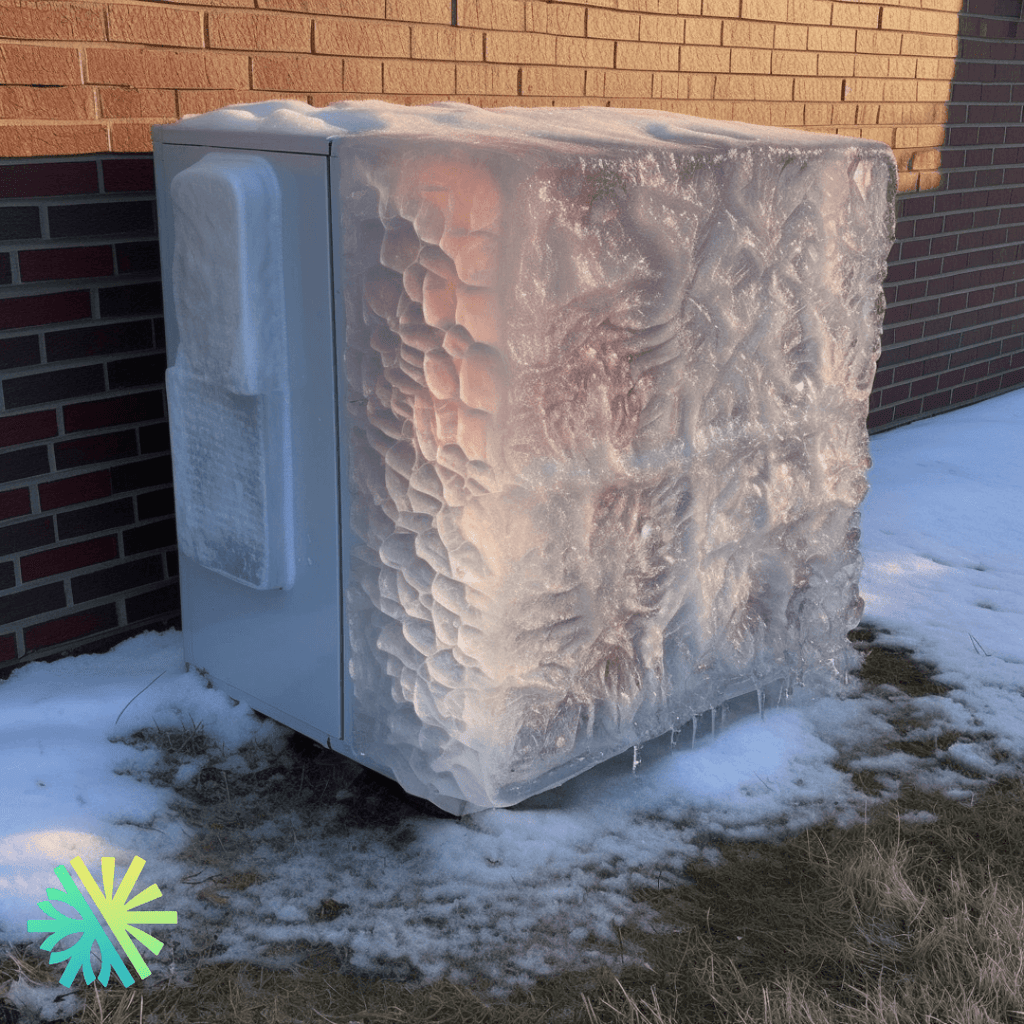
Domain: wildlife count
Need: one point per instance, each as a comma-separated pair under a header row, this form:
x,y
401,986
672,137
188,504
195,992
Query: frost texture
x,y
228,409
608,379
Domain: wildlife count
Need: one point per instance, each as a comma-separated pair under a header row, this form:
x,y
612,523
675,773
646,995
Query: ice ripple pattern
x,y
607,440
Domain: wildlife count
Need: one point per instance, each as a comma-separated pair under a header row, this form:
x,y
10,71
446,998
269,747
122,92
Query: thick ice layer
x,y
608,374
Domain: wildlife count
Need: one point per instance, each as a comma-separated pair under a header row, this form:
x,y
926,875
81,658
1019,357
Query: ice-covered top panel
x,y
581,125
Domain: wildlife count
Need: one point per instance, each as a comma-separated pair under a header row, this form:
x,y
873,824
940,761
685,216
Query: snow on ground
x,y
519,890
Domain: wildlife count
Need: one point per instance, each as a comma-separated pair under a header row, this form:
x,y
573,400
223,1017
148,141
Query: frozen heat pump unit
x,y
504,440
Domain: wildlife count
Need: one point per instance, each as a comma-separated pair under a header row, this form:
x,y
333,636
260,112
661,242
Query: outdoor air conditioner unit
x,y
506,440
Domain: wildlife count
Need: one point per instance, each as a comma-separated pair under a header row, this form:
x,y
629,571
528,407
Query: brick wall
x,y
954,326
87,537
84,77
87,543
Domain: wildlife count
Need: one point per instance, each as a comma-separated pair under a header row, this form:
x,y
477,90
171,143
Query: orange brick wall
x,y
92,77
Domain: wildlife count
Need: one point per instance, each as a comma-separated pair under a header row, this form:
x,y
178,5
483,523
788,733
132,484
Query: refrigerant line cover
x,y
227,392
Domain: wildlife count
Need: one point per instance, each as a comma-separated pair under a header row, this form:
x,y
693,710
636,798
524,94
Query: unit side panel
x,y
279,650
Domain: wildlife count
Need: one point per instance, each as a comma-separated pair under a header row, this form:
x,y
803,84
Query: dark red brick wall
x,y
88,550
954,326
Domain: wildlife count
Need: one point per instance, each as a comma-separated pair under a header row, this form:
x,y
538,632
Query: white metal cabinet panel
x,y
277,648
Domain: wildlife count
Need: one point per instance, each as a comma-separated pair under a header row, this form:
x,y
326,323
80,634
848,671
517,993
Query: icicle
x,y
672,736
693,735
760,702
636,757
713,710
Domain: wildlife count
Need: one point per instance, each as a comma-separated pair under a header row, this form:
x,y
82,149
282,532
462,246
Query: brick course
x,y
962,240
87,541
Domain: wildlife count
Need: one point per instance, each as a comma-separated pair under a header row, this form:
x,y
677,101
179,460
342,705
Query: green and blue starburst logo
x,y
116,908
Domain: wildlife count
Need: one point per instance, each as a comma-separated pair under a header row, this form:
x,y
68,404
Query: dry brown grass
x,y
874,924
